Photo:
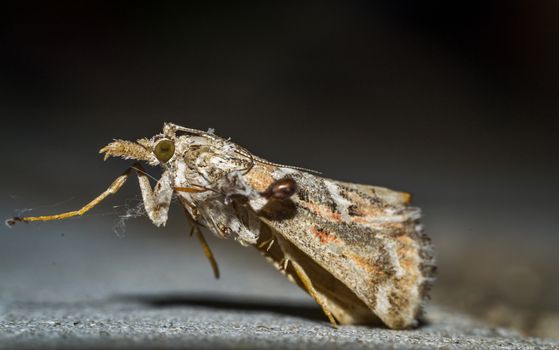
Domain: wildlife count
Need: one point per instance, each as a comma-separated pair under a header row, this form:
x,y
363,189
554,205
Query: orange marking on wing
x,y
323,211
324,236
336,216
360,219
312,207
407,252
358,212
395,226
367,265
367,211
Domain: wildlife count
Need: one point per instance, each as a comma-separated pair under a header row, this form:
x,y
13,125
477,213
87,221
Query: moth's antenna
x,y
246,153
262,161
143,172
254,159
188,130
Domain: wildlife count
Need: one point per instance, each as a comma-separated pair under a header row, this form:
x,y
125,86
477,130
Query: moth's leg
x,y
304,279
156,204
270,245
310,289
284,263
158,200
113,188
191,189
207,251
269,242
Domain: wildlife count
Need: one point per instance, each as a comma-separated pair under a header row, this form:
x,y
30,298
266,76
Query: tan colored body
x,y
358,250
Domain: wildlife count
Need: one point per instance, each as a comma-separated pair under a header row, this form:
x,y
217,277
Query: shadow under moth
x,y
358,250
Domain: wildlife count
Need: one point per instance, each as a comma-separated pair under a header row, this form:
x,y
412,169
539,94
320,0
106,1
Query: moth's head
x,y
158,150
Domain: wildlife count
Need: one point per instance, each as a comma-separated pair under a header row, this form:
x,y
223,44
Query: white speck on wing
x,y
341,202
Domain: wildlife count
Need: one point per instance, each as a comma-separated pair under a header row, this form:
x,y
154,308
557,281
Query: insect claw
x,y
270,245
284,262
12,221
261,245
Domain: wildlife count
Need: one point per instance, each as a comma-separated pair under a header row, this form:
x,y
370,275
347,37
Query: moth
x,y
358,250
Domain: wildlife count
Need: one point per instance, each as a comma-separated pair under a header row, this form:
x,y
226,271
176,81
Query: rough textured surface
x,y
76,285
145,322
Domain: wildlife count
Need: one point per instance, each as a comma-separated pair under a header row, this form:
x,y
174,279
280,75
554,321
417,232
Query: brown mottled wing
x,y
367,237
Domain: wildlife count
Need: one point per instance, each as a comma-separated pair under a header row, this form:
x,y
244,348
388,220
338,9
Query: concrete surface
x,y
77,285
197,322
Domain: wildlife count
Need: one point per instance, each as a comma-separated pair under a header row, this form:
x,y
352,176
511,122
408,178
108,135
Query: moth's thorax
x,y
204,161
215,167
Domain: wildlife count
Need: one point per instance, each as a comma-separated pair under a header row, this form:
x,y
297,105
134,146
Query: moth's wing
x,y
367,237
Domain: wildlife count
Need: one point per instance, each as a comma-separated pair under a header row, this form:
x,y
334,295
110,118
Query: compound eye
x,y
164,150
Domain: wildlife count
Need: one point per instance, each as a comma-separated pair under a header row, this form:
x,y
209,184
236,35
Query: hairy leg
x,y
156,204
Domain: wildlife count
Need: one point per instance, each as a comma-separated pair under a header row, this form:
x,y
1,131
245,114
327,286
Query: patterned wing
x,y
367,237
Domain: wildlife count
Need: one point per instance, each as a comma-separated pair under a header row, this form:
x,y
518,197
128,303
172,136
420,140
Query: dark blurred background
x,y
456,102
